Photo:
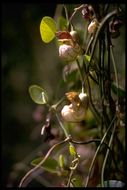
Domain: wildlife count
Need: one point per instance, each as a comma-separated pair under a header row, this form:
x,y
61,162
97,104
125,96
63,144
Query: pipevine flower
x,y
69,49
76,110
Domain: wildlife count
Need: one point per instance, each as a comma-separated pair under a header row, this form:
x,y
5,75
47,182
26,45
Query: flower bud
x,y
92,26
114,27
75,36
87,12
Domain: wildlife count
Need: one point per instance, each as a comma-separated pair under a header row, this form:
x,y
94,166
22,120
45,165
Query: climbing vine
x,y
94,105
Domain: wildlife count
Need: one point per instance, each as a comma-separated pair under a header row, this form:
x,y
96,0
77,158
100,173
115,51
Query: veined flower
x,y
68,52
76,111
69,48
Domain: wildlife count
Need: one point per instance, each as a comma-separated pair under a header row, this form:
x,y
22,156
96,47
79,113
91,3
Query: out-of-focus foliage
x,y
50,164
24,61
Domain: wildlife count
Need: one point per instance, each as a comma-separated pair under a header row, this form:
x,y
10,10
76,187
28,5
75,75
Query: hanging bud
x,y
76,111
87,12
92,26
75,36
114,27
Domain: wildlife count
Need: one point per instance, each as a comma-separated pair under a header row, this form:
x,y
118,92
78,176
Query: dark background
x,y
25,61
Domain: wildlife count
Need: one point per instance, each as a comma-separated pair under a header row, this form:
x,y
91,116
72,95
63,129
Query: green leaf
x,y
112,183
47,29
72,150
87,57
38,94
76,182
61,161
115,88
50,164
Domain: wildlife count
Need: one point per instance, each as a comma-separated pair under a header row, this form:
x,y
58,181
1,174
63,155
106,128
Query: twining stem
x,y
88,142
75,11
55,106
98,148
70,176
66,13
43,160
81,75
89,44
76,156
73,168
61,125
115,69
106,156
98,31
92,107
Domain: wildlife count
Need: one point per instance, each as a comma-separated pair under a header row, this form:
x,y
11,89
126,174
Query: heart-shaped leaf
x,y
47,29
38,94
50,164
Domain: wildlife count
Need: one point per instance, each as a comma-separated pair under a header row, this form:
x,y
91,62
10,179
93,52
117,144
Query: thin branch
x,y
73,168
115,69
66,13
75,11
93,79
88,142
106,156
106,18
62,126
44,159
89,44
93,109
95,155
81,75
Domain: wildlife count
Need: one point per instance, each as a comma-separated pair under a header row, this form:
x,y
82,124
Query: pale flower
x,y
68,52
76,111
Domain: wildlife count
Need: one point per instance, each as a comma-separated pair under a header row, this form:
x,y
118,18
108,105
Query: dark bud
x,y
117,24
114,27
115,34
85,12
47,128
